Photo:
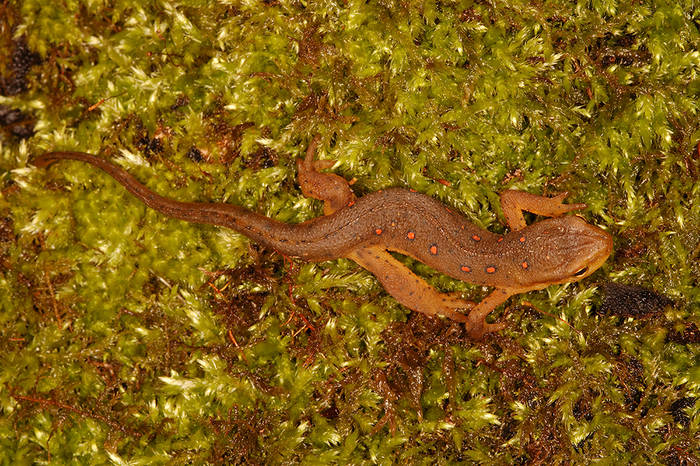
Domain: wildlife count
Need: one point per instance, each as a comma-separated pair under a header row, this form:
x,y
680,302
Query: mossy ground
x,y
131,338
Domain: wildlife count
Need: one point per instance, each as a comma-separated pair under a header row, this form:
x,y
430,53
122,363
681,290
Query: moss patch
x,y
130,337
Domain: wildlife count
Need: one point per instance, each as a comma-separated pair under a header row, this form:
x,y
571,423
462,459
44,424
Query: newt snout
x,y
567,249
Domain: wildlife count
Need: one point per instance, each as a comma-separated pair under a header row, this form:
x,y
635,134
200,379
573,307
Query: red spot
x,y
476,237
410,235
412,190
522,239
433,249
491,269
378,231
465,269
351,203
444,182
500,239
525,265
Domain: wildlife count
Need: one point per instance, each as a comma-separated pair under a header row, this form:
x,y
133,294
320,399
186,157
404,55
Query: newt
x,y
555,250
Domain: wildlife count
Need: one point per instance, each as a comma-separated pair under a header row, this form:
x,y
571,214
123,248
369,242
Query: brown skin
x,y
555,250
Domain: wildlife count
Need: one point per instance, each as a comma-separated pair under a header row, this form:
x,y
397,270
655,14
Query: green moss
x,y
130,337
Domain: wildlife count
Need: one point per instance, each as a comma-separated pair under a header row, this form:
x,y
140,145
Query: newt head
x,y
559,250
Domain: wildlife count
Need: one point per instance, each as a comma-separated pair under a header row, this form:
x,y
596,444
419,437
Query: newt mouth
x,y
602,244
587,248
596,246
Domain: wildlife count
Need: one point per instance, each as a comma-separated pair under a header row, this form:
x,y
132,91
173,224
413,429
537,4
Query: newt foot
x,y
477,328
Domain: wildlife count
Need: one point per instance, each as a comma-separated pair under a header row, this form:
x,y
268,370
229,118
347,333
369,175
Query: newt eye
x,y
581,272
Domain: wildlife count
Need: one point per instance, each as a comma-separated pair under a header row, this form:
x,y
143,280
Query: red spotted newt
x,y
554,250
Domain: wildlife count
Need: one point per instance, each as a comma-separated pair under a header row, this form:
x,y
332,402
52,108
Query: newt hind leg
x,y
330,188
408,288
416,294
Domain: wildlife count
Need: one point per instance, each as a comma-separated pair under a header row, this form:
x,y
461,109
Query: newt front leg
x,y
513,203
